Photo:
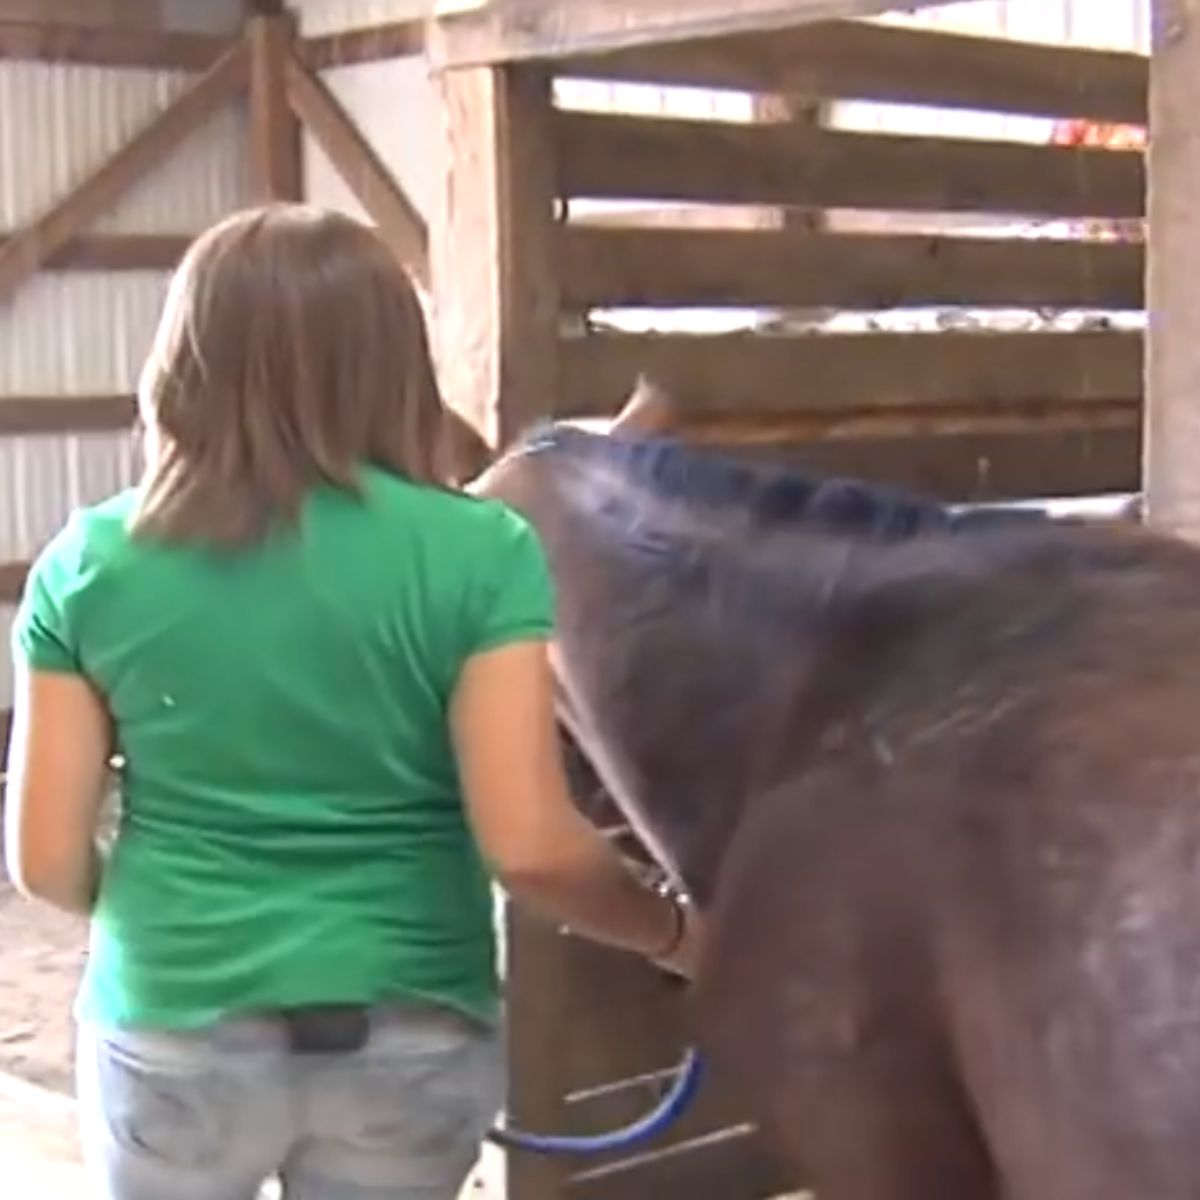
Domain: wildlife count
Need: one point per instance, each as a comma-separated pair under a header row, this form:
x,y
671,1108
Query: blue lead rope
x,y
674,1104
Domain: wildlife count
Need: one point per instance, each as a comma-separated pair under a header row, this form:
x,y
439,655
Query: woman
x,y
326,675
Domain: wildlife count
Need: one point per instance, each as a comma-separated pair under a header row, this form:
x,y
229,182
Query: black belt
x,y
327,1028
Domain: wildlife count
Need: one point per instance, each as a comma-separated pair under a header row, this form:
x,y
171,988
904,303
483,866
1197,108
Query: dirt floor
x,y
42,956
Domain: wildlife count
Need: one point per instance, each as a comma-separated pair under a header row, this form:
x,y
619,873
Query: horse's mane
x,y
769,495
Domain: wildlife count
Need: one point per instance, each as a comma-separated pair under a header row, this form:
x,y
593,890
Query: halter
x,y
672,1106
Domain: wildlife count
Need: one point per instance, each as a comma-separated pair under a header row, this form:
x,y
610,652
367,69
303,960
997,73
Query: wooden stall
x,y
524,270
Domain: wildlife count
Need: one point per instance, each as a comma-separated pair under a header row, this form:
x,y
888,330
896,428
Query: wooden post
x,y
1172,416
496,299
493,250
274,130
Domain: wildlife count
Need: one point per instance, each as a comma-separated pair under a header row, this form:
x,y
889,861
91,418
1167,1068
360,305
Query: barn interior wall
x,y
1103,25
393,103
85,333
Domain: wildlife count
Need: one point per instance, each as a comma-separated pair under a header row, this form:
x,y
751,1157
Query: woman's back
x,y
283,713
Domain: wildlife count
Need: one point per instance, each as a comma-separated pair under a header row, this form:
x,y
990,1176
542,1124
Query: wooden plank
x,y
728,1169
349,47
641,1026
843,423
980,469
12,580
399,221
496,279
623,157
23,255
538,1033
1173,283
664,268
109,46
822,372
118,252
894,65
65,414
274,130
510,30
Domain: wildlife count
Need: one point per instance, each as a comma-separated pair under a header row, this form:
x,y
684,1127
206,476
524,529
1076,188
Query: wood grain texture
x,y
746,268
621,157
717,376
1173,286
895,65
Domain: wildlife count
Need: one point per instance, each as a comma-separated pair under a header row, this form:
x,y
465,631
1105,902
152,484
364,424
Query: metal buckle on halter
x,y
327,1028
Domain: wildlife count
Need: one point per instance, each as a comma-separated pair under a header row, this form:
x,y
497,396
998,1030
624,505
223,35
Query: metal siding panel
x,y
330,16
58,122
43,478
79,333
395,106
7,613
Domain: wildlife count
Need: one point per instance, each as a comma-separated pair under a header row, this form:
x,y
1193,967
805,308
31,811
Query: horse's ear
x,y
650,409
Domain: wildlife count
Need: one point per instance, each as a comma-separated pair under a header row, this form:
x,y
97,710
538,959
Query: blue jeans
x,y
212,1114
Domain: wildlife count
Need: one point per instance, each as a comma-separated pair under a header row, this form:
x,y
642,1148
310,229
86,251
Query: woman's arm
x,y
541,849
57,773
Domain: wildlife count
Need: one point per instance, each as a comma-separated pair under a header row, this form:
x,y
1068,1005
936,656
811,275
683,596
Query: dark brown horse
x,y
936,780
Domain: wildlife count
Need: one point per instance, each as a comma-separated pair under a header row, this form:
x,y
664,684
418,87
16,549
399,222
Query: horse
x,y
932,776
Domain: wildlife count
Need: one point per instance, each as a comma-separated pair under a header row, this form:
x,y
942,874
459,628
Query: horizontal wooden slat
x,y
12,580
925,420
348,47
109,46
509,30
640,1027
65,414
119,252
622,157
980,468
745,268
728,1169
820,373
891,64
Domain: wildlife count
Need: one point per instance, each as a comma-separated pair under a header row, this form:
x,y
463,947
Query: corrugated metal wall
x,y
77,333
392,102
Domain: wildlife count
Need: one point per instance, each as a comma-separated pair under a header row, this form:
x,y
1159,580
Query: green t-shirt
x,y
292,829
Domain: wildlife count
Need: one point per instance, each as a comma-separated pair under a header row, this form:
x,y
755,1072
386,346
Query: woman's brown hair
x,y
292,350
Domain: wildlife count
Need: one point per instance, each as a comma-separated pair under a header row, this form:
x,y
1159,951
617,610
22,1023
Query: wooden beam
x,y
25,253
109,46
399,221
1173,280
510,30
12,581
932,420
621,157
66,414
664,268
979,467
496,280
274,130
892,64
118,252
349,47
824,372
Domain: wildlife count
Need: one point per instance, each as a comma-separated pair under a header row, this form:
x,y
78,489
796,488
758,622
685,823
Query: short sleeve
x,y
516,601
41,636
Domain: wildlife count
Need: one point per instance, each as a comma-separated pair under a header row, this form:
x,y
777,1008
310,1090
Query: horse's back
x,y
968,924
